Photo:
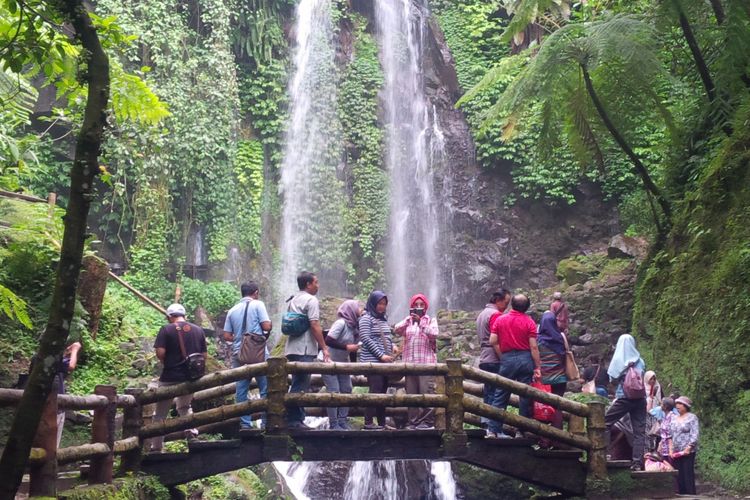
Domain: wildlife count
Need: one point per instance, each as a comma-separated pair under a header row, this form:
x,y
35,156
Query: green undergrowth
x,y
693,308
242,484
128,488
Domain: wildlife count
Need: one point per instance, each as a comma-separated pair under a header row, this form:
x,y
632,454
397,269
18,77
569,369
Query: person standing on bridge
x,y
342,339
249,313
489,360
377,347
560,309
304,347
173,344
625,356
420,333
552,353
513,336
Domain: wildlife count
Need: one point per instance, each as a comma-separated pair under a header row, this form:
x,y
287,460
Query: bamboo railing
x,y
460,401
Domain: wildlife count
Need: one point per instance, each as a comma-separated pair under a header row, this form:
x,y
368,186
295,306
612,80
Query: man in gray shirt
x,y
304,347
488,358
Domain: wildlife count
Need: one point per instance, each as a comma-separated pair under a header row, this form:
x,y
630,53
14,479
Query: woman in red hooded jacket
x,y
420,333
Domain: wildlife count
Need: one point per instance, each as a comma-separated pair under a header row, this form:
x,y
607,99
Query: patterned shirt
x,y
375,335
684,432
420,340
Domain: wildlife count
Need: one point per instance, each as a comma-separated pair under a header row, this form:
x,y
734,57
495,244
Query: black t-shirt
x,y
174,362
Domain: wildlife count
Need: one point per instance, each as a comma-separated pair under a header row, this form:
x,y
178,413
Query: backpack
x,y
632,384
195,363
294,324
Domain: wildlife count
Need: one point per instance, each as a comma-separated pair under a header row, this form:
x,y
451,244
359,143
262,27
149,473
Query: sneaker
x,y
519,435
344,425
411,427
502,435
490,434
424,426
390,427
373,427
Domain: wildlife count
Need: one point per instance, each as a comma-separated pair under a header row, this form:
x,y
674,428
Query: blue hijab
x,y
549,333
625,353
372,303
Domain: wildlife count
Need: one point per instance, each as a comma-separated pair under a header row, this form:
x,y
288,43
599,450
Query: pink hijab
x,y
349,310
416,298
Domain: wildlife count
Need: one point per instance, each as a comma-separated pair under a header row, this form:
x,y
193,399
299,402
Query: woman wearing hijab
x,y
342,338
552,354
377,347
420,333
625,356
683,444
653,391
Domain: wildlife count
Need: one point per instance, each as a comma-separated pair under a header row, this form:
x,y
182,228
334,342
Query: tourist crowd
x,y
658,433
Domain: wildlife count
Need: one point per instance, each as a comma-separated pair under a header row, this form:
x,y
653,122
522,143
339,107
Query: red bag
x,y
542,411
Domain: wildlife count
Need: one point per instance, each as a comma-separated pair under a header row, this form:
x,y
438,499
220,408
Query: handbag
x,y
542,411
195,363
590,386
253,346
571,368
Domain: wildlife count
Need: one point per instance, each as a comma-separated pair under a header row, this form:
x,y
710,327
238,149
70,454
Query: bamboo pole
x,y
333,399
137,293
476,406
165,427
21,196
209,428
526,390
127,444
218,392
210,380
277,393
368,368
82,452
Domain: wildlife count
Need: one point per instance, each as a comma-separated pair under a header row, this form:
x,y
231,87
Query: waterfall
x,y
415,149
313,200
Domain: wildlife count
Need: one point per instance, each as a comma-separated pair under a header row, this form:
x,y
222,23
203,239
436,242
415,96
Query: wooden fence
x,y
460,401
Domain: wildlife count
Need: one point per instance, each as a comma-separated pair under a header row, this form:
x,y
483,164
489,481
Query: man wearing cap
x,y
169,352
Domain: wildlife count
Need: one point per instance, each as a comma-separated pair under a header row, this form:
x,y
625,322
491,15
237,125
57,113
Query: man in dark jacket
x,y
170,353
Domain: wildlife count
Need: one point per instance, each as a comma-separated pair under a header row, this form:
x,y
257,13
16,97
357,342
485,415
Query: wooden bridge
x,y
568,471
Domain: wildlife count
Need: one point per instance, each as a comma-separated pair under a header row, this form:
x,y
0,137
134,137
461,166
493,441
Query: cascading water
x,y
313,203
415,148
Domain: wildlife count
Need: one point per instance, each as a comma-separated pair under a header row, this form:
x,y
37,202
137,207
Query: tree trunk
x,y
718,11
85,168
640,168
700,61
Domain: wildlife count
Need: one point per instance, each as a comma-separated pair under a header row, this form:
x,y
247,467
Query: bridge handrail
x,y
208,381
522,389
367,368
11,397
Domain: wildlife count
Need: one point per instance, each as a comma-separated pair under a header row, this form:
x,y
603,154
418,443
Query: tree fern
x,y
527,12
14,307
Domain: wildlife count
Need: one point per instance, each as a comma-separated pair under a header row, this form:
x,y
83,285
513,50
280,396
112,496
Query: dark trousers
x,y
558,390
377,384
518,366
300,383
421,384
637,410
490,393
685,466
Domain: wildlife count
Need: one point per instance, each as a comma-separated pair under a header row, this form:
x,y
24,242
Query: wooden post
x,y
43,476
597,482
576,425
440,412
132,421
454,437
103,431
277,390
276,446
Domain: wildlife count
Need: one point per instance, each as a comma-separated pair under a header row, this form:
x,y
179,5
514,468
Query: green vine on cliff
x,y
367,217
248,169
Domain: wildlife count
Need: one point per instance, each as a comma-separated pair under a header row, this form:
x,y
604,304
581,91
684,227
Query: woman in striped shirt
x,y
377,347
420,333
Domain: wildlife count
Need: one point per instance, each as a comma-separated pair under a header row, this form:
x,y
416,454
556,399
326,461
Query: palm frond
x,y
526,12
581,135
501,73
17,99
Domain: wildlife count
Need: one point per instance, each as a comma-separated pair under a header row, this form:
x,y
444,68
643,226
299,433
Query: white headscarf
x,y
625,353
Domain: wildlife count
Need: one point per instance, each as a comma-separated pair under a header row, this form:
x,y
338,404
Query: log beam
x,y
379,400
368,368
165,427
82,452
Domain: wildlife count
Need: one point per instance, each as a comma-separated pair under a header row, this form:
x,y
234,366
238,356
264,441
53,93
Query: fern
x,y
527,12
14,307
133,100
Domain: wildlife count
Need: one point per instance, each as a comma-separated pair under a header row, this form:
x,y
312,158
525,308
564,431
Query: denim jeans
x,y
341,384
491,396
243,387
518,366
300,383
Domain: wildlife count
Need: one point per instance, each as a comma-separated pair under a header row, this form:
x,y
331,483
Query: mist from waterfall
x,y
313,203
415,147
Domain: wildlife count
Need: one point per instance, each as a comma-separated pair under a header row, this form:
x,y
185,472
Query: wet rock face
x,y
489,244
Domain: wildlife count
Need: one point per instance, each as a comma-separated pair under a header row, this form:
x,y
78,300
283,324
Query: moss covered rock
x,y
574,271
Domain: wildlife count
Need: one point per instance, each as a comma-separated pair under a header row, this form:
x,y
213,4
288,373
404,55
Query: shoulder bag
x,y
253,346
294,324
195,363
571,368
590,386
